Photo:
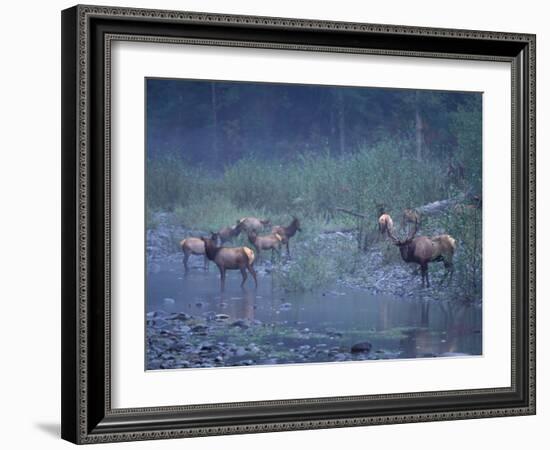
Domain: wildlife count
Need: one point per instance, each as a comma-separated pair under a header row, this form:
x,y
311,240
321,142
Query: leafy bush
x,y
307,272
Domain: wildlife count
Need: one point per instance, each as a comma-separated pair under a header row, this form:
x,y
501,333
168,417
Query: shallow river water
x,y
268,326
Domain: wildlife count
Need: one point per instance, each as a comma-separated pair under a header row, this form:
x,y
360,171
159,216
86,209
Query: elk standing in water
x,y
227,234
249,224
230,258
269,242
287,232
423,250
193,246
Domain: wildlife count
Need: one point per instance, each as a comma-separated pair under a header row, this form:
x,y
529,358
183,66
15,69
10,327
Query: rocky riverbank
x,y
180,340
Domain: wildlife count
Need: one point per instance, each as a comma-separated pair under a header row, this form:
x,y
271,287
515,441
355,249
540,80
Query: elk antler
x,y
392,236
412,235
396,241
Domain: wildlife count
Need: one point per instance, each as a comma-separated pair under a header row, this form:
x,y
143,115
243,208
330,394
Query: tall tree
x,y
214,118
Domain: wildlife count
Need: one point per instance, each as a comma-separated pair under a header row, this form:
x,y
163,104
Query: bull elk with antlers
x,y
423,250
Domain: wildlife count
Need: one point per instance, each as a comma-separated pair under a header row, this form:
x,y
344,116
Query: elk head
x,y
404,244
296,223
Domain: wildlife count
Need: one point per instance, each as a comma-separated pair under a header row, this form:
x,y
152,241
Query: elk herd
x,y
420,250
239,258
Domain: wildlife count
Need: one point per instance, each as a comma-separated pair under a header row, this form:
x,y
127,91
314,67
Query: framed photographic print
x,y
281,224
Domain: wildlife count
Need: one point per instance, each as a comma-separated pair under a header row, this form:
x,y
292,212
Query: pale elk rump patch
x,y
249,254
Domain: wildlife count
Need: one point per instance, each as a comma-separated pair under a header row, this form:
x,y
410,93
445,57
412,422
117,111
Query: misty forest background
x,y
219,151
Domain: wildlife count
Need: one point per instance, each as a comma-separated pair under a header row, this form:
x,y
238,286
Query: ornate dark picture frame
x,y
87,34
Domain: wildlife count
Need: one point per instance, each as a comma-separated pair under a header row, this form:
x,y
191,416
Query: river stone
x,y
339,357
206,347
240,323
200,329
361,347
179,316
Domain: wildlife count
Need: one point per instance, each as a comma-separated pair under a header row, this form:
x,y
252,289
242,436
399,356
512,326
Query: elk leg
x,y
449,271
253,273
288,249
222,277
244,275
424,269
185,259
205,262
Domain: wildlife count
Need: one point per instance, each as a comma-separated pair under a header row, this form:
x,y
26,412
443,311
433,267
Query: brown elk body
x,y
230,258
193,246
271,242
249,224
423,250
227,234
287,232
385,224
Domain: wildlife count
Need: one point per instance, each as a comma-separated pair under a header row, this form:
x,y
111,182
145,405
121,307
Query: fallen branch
x,y
340,230
353,213
440,206
429,209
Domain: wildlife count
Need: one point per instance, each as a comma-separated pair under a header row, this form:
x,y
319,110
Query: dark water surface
x,y
296,327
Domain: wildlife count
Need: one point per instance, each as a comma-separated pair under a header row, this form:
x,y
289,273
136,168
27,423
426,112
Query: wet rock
x,y
340,357
159,323
240,351
179,316
156,314
206,347
200,329
361,347
221,317
240,323
285,306
168,301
